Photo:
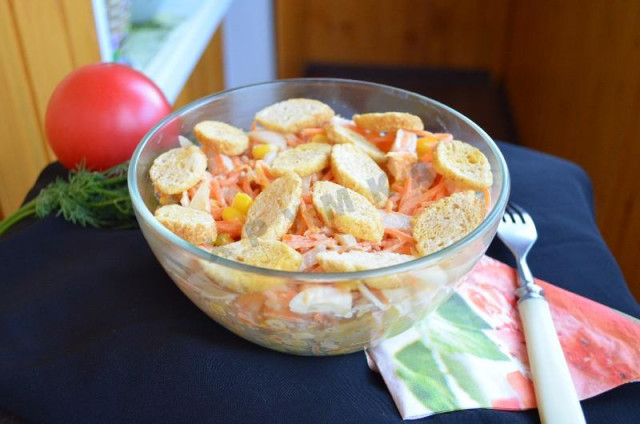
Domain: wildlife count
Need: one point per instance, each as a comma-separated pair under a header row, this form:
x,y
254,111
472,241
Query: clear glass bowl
x,y
414,288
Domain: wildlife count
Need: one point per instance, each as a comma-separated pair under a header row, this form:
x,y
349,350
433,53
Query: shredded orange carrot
x,y
443,136
310,132
409,196
233,227
407,186
261,175
216,192
377,139
254,126
422,133
487,199
246,186
237,162
399,234
292,140
378,293
315,268
308,240
216,213
250,306
231,180
383,142
397,186
427,157
304,214
219,161
328,176
437,191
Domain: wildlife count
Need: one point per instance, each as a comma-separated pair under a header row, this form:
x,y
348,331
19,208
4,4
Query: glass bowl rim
x,y
422,262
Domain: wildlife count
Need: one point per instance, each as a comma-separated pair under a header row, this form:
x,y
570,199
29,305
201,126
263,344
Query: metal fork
x,y
556,396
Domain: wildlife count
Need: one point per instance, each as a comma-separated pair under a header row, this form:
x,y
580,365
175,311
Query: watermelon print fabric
x,y
471,352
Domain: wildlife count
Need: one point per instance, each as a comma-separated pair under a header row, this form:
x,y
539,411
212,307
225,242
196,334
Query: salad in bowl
x,y
317,216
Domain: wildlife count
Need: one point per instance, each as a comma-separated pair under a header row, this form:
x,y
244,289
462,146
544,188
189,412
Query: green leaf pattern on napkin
x,y
420,373
432,366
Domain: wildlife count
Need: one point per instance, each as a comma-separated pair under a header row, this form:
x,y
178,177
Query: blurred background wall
x,y
558,76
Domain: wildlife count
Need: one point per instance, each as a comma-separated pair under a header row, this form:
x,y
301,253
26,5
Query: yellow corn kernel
x,y
319,138
259,151
222,239
230,213
426,144
242,202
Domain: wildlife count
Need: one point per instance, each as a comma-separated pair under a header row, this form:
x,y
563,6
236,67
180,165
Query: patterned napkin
x,y
470,353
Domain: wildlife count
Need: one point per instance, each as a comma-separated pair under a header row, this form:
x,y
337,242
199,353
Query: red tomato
x,y
100,112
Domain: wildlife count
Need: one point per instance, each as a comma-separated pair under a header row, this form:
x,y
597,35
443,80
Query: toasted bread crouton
x,y
463,164
221,138
357,171
347,211
178,169
342,135
271,254
192,225
304,159
332,261
388,121
274,210
446,221
293,115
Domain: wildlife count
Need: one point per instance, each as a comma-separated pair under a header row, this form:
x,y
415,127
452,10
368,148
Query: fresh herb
x,y
99,199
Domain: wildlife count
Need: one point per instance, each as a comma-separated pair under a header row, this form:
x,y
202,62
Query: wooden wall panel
x,y
42,42
80,25
573,76
46,47
440,33
22,153
208,75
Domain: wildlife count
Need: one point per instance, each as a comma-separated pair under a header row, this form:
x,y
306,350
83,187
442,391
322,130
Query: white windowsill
x,y
175,59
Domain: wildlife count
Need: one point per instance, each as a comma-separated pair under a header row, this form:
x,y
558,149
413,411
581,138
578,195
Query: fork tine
x,y
517,208
511,212
505,216
526,218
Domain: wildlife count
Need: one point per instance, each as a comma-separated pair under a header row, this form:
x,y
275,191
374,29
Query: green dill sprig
x,y
96,198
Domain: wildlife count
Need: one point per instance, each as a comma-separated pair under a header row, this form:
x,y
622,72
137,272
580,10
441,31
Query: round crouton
x,y
361,261
388,121
446,221
304,159
463,164
270,254
273,211
293,115
347,211
193,225
221,138
353,169
178,169
342,135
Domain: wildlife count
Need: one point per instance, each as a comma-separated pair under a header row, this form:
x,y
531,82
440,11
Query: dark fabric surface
x,y
93,330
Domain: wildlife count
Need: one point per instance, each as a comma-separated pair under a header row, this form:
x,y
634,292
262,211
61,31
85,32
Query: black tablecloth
x,y
93,330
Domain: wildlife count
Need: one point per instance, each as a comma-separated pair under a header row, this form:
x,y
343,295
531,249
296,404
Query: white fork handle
x,y
556,396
